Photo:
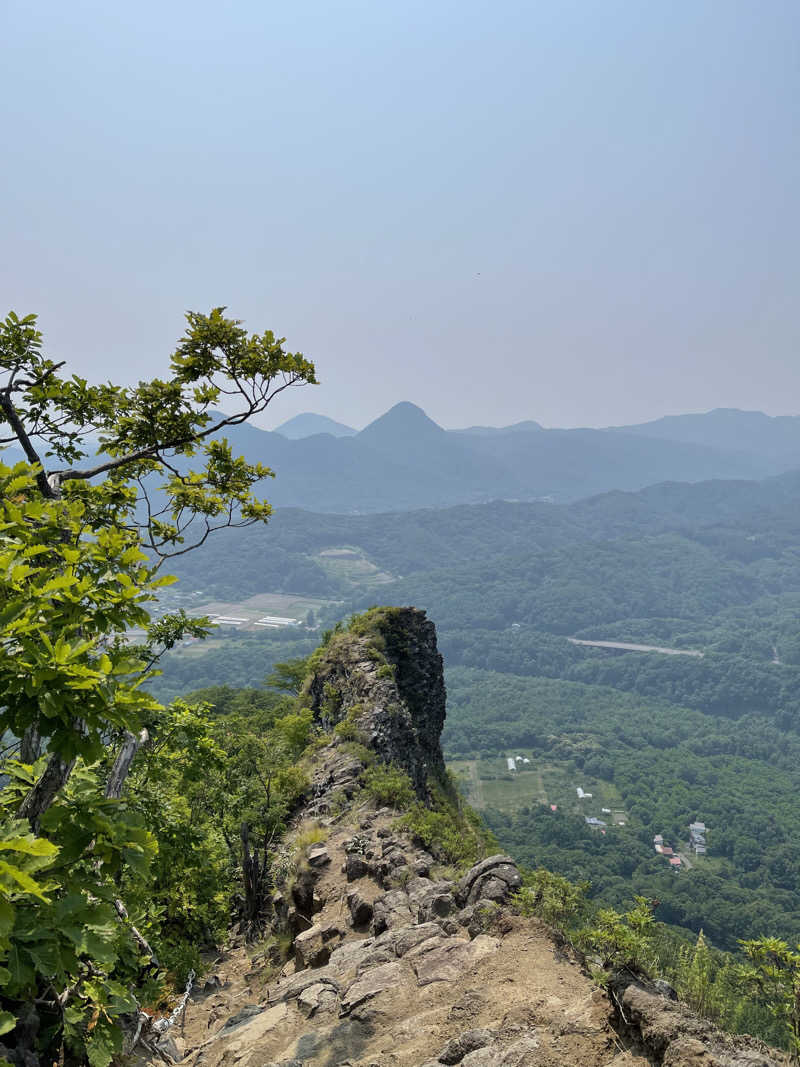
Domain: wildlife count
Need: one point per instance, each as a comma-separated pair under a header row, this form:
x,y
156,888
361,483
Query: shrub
x,y
623,939
553,898
389,786
312,835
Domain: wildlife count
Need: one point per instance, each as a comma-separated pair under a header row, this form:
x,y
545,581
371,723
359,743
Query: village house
x,y
697,837
594,822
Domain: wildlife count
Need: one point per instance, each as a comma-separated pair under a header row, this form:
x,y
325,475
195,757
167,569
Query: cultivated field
x,y
488,783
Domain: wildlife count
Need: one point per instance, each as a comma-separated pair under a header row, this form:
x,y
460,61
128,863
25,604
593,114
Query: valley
x,y
552,620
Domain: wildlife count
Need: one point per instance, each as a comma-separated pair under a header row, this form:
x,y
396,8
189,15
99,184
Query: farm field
x,y
349,563
488,783
263,611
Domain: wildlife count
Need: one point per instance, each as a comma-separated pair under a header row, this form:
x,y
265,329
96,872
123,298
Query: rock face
x,y
388,682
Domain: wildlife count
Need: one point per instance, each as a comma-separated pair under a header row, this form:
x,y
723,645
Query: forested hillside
x,y
712,568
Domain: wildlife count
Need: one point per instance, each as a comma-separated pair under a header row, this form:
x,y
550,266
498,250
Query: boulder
x,y
417,889
318,856
494,878
350,956
437,905
360,908
390,910
317,998
355,866
520,1054
422,864
477,918
447,959
242,1015
313,946
456,1049
370,984
310,949
408,937
295,984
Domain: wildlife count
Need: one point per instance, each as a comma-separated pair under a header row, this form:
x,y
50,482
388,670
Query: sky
x,y
584,213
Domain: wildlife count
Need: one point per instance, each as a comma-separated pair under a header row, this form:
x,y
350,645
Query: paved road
x,y
626,647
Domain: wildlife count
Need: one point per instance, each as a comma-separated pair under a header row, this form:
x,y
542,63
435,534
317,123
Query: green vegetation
x,y
667,739
448,828
134,830
93,871
667,766
388,787
752,991
772,977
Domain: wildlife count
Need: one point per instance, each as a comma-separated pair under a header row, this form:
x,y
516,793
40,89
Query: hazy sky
x,y
582,213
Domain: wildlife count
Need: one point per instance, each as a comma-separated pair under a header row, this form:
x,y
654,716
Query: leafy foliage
x,y
623,939
75,586
388,786
554,898
772,975
150,430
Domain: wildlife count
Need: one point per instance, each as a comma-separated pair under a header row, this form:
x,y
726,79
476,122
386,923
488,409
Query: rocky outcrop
x,y
492,879
675,1036
386,680
421,982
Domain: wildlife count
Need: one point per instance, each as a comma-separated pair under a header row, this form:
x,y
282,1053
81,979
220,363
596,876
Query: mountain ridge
x,y
403,460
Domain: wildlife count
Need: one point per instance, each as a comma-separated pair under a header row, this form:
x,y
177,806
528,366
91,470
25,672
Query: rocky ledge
x,y
401,966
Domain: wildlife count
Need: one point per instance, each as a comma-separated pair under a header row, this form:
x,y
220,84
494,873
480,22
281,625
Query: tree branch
x,y
31,454
151,451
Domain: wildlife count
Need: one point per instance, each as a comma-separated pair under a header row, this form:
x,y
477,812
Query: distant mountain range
x,y
731,430
404,460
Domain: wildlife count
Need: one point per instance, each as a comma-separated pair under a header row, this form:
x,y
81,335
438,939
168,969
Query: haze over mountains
x,y
307,424
404,460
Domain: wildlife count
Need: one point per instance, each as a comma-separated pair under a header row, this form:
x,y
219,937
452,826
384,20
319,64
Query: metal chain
x,y
160,1026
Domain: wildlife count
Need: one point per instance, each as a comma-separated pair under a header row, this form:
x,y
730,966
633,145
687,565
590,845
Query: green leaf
x,y
22,879
6,916
31,846
7,1022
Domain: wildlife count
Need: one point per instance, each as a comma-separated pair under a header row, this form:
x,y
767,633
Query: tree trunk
x,y
56,774
122,764
30,747
141,941
254,882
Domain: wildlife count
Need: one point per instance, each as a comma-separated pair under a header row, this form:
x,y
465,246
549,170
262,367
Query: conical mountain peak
x,y
401,421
